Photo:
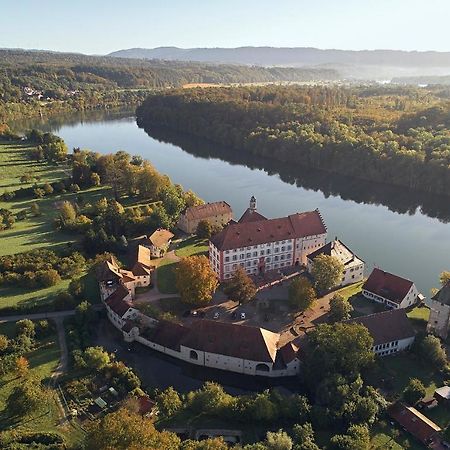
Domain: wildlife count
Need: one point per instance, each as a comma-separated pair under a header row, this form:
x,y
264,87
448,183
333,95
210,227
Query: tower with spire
x,y
253,204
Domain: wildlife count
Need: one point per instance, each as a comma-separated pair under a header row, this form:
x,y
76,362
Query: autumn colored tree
x,y
327,272
301,294
168,401
240,287
195,280
444,278
26,397
124,429
22,366
4,342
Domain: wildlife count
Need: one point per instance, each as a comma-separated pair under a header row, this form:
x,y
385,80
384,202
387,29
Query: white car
x,y
242,316
216,316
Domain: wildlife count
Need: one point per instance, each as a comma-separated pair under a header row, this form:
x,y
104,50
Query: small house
x,y
158,242
442,395
391,290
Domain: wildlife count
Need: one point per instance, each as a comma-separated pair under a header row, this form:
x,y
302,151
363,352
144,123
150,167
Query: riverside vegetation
x,y
393,135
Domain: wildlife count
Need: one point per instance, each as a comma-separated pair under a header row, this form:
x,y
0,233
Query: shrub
x,y
48,277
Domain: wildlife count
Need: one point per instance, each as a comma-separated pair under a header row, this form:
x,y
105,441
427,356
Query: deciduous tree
x,y
327,272
195,280
340,308
301,294
414,391
240,287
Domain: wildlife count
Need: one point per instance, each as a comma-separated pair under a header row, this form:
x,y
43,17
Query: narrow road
x,y
45,315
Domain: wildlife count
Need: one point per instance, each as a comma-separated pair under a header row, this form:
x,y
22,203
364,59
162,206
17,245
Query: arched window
x,y
193,354
263,367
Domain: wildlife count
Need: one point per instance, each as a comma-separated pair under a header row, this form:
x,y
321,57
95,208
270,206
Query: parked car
x,y
216,316
234,315
194,313
242,316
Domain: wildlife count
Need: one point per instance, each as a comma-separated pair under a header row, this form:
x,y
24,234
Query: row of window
x,y
383,346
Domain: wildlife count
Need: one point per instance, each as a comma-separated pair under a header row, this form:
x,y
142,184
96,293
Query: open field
x,y
34,231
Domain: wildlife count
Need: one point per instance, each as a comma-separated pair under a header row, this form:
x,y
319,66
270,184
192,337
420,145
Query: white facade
x,y
409,299
263,257
439,320
389,348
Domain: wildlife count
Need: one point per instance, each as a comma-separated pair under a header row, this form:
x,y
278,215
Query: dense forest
x,y
394,135
34,82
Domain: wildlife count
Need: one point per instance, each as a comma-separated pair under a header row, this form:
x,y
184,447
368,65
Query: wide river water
x,y
399,231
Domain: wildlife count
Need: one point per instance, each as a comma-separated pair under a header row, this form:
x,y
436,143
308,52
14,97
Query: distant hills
x,y
350,63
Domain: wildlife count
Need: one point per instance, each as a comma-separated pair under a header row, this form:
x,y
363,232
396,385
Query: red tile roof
x,y
168,334
288,352
160,237
145,404
414,422
118,301
387,326
207,210
238,341
387,285
250,215
236,235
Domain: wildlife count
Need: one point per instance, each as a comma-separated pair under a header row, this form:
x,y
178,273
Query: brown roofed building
x,y
391,290
415,423
391,331
265,244
158,242
217,213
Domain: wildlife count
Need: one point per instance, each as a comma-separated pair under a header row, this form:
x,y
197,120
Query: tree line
x,y
400,139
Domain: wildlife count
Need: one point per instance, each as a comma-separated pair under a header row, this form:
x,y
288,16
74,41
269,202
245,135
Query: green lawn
x,y
165,277
34,232
192,246
385,436
419,317
350,291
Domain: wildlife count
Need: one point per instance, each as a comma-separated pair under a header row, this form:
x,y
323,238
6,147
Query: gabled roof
x,y
107,271
160,237
338,250
443,295
168,334
238,341
388,285
414,422
143,255
118,301
288,352
387,326
251,215
207,210
236,235
141,270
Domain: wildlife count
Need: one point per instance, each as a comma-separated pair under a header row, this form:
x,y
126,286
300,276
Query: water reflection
x,y
399,200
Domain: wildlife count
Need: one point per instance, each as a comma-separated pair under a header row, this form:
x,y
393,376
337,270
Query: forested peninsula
x,y
36,83
392,135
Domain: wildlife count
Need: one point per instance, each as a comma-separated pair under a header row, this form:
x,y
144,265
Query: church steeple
x,y
253,204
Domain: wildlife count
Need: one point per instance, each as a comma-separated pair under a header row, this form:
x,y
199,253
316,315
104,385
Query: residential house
x,y
391,290
217,213
391,331
158,242
353,266
439,304
418,425
259,244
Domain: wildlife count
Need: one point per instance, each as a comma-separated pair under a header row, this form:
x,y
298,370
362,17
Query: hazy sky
x,y
100,26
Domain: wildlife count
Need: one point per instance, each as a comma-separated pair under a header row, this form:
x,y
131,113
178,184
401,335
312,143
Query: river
x,y
399,231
